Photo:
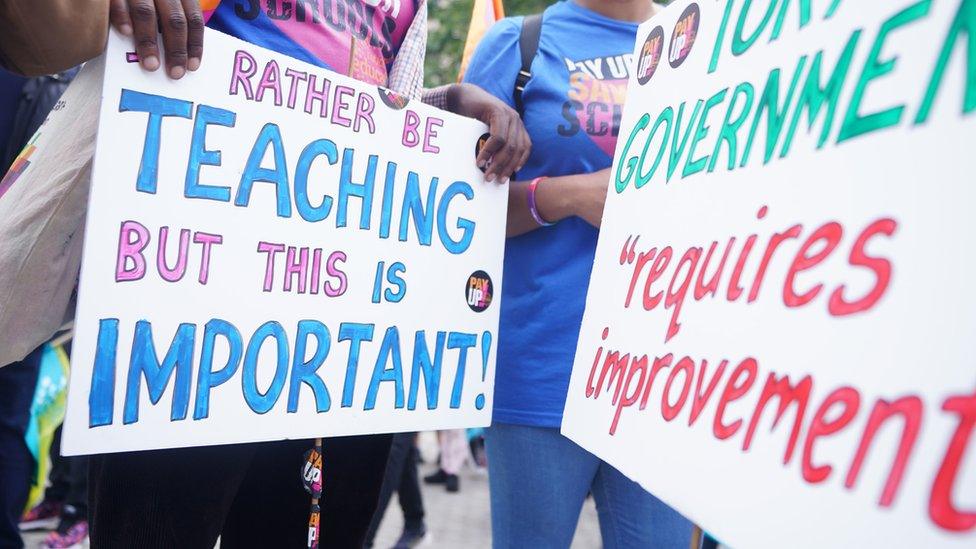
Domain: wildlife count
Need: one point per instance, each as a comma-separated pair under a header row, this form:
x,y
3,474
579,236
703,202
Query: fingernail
x,y
126,29
490,178
481,163
193,64
505,181
177,72
150,63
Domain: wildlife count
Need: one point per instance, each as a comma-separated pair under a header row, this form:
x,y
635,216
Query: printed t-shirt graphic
x,y
597,88
573,106
358,38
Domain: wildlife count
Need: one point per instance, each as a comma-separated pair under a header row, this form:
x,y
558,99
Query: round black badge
x,y
480,145
312,473
392,99
650,55
478,291
684,35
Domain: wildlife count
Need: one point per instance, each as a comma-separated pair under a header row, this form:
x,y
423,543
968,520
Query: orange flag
x,y
483,16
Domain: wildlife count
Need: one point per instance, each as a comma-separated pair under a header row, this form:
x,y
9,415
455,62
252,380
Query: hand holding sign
x,y
180,22
508,145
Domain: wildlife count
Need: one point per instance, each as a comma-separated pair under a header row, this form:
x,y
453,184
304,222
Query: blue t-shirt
x,y
572,113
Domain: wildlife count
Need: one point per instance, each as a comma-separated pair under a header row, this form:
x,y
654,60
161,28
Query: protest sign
x,y
778,338
275,251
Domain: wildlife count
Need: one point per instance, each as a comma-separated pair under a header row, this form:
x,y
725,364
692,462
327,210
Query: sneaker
x,y
412,538
452,483
43,516
72,533
440,477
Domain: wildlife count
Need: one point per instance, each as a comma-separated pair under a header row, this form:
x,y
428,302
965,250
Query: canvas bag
x,y
43,201
42,216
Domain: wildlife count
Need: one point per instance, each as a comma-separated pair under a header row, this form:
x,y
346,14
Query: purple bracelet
x,y
533,209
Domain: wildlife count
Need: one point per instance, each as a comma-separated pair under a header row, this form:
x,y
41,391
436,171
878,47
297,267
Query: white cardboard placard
x,y
349,291
849,278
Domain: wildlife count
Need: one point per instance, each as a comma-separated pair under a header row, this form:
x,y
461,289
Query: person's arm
x,y
49,36
509,145
490,82
557,198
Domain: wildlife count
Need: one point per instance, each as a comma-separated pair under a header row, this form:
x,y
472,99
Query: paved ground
x,y
462,520
455,521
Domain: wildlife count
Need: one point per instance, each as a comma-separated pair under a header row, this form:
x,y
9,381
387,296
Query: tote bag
x,y
43,200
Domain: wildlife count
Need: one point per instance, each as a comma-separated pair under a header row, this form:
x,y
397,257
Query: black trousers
x,y
68,478
408,493
250,495
400,477
17,383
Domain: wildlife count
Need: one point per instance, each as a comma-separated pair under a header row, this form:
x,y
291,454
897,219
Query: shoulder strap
x,y
528,46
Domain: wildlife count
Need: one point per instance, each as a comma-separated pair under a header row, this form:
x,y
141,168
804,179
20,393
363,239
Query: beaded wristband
x,y
533,209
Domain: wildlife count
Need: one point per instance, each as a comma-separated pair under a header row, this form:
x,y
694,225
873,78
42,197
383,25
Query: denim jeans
x,y
539,480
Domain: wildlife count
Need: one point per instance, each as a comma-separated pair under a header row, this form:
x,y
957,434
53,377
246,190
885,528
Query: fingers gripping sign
x,y
507,146
180,22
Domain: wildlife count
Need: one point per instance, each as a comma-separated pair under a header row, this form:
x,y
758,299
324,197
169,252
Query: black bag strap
x,y
528,46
